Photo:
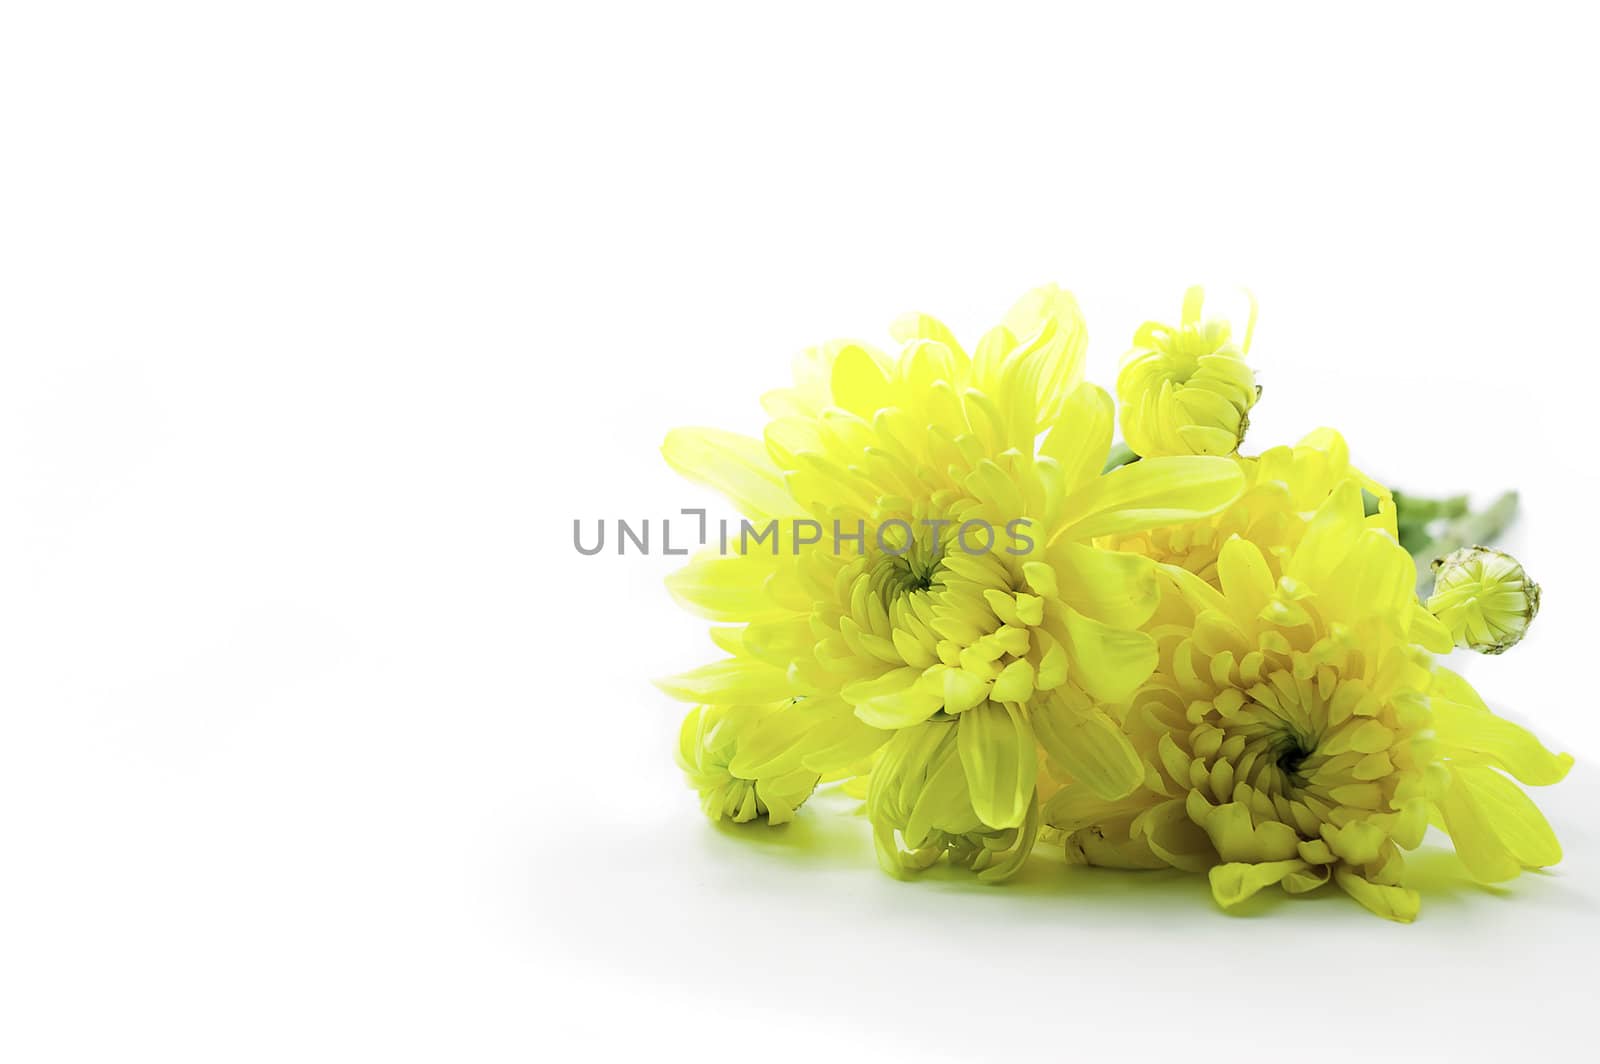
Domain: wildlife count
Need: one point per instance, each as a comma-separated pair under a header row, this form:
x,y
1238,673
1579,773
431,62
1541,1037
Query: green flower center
x,y
918,568
1276,752
1292,753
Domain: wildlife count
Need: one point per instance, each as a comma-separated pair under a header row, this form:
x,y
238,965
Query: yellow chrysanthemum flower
x,y
1186,389
973,580
1484,597
1297,730
708,743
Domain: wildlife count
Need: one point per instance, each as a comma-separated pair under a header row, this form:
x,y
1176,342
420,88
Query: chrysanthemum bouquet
x,y
952,595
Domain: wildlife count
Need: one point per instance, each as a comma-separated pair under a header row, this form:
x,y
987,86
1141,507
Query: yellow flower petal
x,y
1467,730
1110,663
1156,491
737,466
1116,589
729,682
729,587
997,753
892,700
1080,437
1496,829
1233,883
1391,903
1088,745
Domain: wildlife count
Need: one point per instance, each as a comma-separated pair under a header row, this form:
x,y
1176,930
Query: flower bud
x,y
1484,597
707,744
921,810
1185,389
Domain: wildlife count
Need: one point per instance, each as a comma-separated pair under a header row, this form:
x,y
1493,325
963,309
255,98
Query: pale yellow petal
x,y
737,466
1148,493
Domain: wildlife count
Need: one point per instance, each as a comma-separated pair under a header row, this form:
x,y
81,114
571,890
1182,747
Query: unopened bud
x,y
1484,597
1186,389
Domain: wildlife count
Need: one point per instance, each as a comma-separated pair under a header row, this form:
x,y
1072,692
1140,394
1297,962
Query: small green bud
x,y
1484,597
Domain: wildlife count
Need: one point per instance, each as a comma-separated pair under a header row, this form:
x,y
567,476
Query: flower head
x,y
1186,389
933,554
708,742
1297,731
1485,599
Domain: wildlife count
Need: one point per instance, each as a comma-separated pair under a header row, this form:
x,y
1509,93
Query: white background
x,y
322,322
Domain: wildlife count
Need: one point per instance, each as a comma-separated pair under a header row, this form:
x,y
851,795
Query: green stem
x,y
1465,530
1418,508
1121,455
1416,516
